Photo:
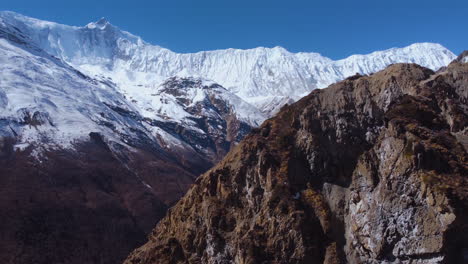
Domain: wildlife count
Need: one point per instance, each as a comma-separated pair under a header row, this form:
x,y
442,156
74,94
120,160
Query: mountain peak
x,y
100,24
463,57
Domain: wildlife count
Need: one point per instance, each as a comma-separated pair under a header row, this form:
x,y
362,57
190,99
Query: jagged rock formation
x,y
373,169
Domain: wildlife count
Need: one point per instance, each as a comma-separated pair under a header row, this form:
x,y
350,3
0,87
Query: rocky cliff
x,y
373,169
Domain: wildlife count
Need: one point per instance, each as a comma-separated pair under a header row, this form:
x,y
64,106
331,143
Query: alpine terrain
x,y
101,132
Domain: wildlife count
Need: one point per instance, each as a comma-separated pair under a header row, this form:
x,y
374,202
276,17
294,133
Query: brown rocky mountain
x,y
373,169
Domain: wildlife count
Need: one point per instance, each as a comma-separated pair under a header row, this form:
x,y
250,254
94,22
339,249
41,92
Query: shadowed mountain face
x,y
372,169
88,204
74,207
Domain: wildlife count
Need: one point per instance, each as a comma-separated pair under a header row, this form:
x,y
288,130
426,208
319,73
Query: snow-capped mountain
x,y
60,83
45,100
265,77
78,155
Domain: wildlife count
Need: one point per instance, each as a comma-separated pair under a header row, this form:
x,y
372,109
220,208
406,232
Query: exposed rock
x,y
212,125
370,170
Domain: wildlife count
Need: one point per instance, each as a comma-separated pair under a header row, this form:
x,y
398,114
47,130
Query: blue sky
x,y
333,28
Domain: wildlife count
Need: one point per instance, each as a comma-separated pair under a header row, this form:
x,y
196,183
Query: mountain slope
x,y
258,76
372,169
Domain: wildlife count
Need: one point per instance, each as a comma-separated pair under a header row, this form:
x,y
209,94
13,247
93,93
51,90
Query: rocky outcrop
x,y
203,115
372,169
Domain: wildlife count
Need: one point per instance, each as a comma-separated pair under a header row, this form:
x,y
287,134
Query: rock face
x,y
373,169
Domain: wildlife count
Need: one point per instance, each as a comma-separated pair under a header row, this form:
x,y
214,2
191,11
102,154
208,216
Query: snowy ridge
x,y
260,76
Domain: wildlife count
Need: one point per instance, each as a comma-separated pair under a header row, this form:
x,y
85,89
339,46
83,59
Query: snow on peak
x,y
100,24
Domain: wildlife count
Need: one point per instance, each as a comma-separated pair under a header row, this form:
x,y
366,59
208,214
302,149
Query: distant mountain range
x,y
259,76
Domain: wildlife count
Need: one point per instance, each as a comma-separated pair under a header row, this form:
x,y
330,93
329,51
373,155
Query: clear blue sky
x,y
333,28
